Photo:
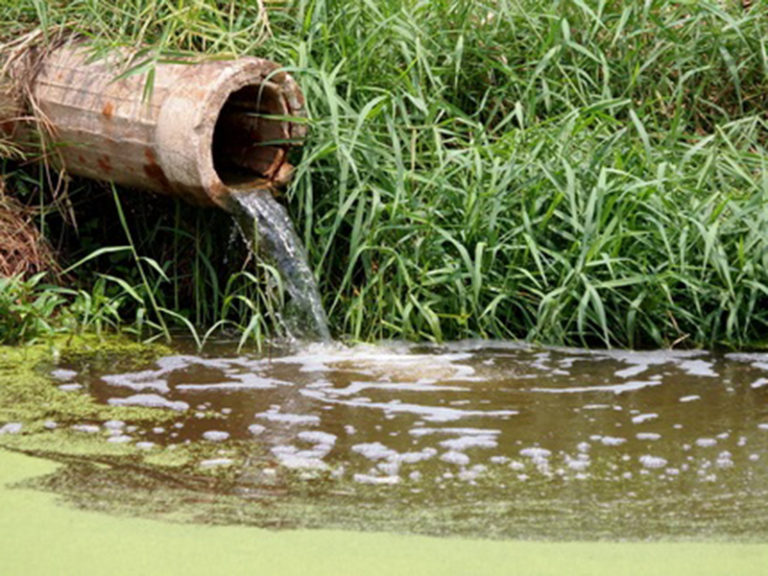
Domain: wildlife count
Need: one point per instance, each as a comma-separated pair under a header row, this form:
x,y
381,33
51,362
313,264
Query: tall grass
x,y
589,173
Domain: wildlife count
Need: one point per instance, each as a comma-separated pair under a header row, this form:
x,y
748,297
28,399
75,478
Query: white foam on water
x,y
215,435
70,387
706,442
317,437
139,381
698,368
50,425
754,457
632,371
428,413
763,426
374,451
356,387
114,424
120,439
246,382
648,436
759,383
631,386
454,457
414,457
216,463
419,432
256,429
691,398
87,428
11,428
149,401
536,453
640,418
286,418
301,461
146,445
376,480
652,462
465,442
63,374
612,441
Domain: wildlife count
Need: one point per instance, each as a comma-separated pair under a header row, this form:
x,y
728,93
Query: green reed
x,y
588,173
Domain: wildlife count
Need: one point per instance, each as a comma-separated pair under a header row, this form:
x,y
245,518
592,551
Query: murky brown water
x,y
537,442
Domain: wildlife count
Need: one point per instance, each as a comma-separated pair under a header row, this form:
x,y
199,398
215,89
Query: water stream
x,y
269,231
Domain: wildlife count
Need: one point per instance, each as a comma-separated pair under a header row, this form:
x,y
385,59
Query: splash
x,y
268,229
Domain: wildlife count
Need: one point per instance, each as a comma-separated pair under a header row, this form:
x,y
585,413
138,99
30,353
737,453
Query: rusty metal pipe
x,y
201,129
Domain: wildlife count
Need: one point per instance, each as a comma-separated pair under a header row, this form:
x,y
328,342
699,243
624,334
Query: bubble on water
x,y
11,428
698,368
374,451
516,465
742,441
583,446
763,426
145,445
612,441
414,457
640,418
652,462
453,457
114,424
70,387
120,439
706,442
577,465
216,463
759,383
63,374
274,415
421,431
754,457
498,459
672,471
349,429
415,476
256,429
376,480
536,452
648,436
631,386
466,442
149,401
87,428
215,435
50,425
691,398
316,437
226,411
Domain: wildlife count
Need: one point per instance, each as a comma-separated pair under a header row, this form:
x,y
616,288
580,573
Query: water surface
x,y
488,439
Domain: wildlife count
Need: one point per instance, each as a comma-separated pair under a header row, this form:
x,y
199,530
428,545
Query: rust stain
x,y
108,110
154,172
105,164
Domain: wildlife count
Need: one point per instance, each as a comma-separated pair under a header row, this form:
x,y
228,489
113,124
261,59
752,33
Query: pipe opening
x,y
247,144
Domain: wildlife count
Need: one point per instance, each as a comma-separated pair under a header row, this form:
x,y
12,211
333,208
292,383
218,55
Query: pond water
x,y
481,438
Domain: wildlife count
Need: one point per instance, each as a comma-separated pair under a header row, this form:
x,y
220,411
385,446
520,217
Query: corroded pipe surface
x,y
201,129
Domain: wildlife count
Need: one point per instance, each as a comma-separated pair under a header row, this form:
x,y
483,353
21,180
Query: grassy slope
x,y
569,172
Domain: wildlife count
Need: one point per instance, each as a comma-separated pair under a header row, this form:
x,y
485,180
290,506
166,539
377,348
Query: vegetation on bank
x,y
566,172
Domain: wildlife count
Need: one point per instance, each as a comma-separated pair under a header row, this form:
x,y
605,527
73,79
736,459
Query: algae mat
x,y
39,536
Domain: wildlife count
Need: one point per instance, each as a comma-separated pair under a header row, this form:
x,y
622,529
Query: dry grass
x,y
23,251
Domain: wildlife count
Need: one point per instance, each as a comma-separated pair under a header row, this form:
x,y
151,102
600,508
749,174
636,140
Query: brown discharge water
x,y
512,440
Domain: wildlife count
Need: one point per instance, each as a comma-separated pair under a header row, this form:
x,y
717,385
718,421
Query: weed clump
x,y
23,250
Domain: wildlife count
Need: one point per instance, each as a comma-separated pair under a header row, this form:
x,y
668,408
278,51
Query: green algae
x,y
30,396
39,536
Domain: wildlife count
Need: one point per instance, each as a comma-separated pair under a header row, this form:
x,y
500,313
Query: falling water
x,y
266,225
